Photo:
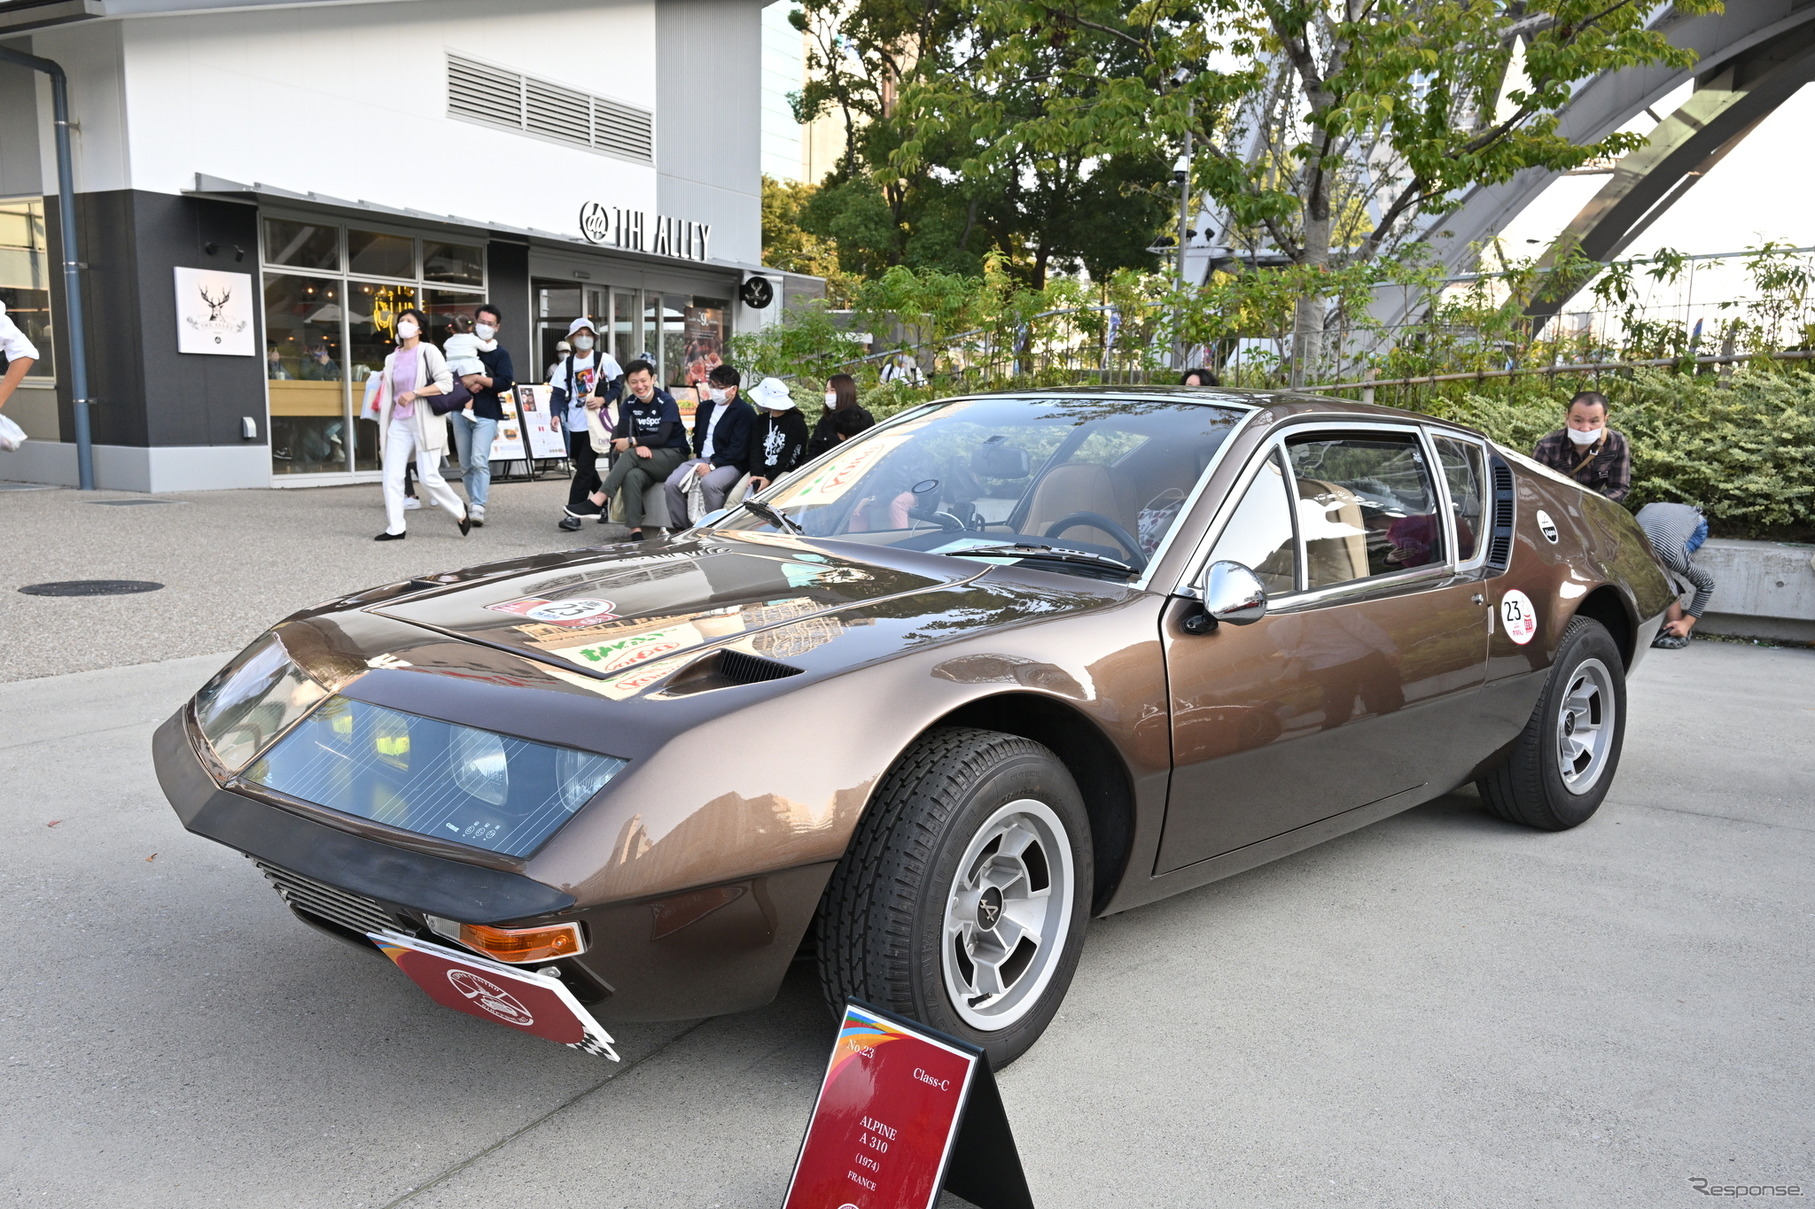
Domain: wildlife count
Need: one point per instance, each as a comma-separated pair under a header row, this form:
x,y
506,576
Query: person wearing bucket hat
x,y
589,377
779,441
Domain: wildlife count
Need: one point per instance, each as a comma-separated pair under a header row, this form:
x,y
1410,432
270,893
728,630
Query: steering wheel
x,y
1096,520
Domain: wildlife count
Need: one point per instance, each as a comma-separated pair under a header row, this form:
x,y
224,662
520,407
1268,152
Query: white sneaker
x,y
411,503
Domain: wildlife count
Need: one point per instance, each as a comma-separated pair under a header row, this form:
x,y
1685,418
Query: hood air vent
x,y
724,668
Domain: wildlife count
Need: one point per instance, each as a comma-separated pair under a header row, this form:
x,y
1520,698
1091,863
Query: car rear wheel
x,y
1563,763
963,898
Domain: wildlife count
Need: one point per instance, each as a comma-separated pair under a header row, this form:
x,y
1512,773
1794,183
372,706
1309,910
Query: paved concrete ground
x,y
232,562
1440,1010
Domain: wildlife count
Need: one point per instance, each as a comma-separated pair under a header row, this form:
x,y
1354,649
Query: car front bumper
x,y
703,952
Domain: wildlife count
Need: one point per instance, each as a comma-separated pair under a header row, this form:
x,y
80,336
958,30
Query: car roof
x,y
1285,404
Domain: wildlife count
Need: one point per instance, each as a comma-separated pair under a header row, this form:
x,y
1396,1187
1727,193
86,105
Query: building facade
x,y
260,188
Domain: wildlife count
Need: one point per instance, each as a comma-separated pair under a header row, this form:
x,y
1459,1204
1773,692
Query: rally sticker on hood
x,y
1519,618
559,612
1547,527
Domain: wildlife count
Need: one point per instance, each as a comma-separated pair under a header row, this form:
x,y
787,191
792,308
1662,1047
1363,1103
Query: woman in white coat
x,y
409,428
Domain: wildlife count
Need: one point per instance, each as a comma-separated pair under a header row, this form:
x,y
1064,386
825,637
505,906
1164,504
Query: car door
x,y
1341,695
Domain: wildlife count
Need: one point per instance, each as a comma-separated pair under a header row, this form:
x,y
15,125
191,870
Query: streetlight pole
x,y
1181,173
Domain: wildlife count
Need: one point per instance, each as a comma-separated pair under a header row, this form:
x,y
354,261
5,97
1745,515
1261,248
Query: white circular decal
x,y
1547,527
492,997
570,611
1519,618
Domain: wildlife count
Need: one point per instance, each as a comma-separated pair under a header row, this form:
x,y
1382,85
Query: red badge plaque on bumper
x,y
520,999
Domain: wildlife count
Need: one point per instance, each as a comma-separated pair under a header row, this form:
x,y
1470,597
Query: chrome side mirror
x,y
712,518
1232,593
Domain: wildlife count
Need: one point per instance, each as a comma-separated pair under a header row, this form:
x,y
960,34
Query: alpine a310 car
x,y
921,709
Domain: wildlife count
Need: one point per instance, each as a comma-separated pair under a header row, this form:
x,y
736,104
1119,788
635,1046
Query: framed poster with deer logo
x,y
214,313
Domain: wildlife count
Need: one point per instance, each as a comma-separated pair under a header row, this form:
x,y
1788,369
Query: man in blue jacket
x,y
721,446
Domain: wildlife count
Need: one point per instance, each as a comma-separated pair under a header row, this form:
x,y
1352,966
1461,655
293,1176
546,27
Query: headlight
x,y
251,700
441,779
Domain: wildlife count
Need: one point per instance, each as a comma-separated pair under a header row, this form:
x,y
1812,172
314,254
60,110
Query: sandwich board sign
x,y
903,1113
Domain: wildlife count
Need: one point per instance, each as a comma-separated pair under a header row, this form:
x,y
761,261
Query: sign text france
x,y
903,1112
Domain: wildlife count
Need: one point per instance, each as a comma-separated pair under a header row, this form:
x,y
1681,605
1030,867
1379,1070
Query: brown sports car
x,y
926,706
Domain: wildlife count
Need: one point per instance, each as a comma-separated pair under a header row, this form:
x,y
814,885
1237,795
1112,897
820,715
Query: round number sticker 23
x,y
1519,618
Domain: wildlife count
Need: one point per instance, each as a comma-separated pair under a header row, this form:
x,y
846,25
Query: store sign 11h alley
x,y
638,231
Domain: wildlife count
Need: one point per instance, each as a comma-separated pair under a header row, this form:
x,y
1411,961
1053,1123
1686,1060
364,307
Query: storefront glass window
x,y
304,363
25,273
703,326
673,350
626,333
371,335
453,263
302,245
373,254
441,305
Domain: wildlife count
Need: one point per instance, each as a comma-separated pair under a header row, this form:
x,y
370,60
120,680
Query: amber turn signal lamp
x,y
521,945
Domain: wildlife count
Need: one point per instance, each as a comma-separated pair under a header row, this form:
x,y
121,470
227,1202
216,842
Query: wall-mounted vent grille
x,y
1499,544
497,96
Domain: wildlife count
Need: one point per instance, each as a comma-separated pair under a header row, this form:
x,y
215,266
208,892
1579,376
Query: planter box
x,y
1761,589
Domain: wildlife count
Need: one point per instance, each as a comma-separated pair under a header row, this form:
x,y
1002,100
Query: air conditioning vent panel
x,y
483,92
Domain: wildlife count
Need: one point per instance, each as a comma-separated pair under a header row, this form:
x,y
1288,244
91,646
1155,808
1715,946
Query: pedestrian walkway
x,y
231,562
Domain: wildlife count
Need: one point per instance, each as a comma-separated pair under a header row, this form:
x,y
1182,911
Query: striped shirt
x,y
1669,527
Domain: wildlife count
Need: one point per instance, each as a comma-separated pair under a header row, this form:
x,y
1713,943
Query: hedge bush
x,y
1742,448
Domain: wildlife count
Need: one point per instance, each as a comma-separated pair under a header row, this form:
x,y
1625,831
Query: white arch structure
x,y
1753,57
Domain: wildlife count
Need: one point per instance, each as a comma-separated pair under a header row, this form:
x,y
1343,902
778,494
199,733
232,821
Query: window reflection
x,y
25,273
307,379
375,254
302,245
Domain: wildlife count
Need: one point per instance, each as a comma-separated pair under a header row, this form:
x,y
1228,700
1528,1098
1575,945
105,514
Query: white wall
x,y
350,101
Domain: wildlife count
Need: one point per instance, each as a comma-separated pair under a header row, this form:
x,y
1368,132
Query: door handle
x,y
1478,598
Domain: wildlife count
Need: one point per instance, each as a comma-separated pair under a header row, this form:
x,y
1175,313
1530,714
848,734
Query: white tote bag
x,y
11,435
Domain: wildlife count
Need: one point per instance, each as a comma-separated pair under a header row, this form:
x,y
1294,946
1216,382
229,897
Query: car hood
x,y
644,606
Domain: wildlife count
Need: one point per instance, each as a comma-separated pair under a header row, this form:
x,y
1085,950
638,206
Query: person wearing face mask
x,y
721,446
650,442
476,426
841,395
408,428
1588,451
578,384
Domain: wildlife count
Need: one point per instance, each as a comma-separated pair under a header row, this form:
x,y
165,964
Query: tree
x,y
787,244
1325,128
950,212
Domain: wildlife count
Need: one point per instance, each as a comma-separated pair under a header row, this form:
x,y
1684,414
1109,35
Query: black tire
x,y
1531,787
882,923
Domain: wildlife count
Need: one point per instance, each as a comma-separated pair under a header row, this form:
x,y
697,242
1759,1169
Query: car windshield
x,y
1089,485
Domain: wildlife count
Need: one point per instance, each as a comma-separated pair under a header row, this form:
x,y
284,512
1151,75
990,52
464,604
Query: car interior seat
x,y
1076,487
1335,533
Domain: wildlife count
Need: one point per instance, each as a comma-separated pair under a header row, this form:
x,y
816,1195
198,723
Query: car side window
x,y
1367,506
1259,532
1465,471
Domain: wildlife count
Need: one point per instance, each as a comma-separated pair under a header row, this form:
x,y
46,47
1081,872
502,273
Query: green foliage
x,y
788,244
1740,447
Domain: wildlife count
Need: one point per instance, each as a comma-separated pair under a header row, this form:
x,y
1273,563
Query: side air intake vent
x,y
1500,540
724,668
497,96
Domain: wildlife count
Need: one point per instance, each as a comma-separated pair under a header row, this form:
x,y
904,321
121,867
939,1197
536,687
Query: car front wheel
x,y
1562,764
963,898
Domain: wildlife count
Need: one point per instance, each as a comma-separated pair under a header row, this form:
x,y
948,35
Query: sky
x,y
1759,192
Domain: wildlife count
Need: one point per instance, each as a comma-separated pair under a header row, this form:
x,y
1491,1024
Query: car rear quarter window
x,y
1465,474
1366,506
